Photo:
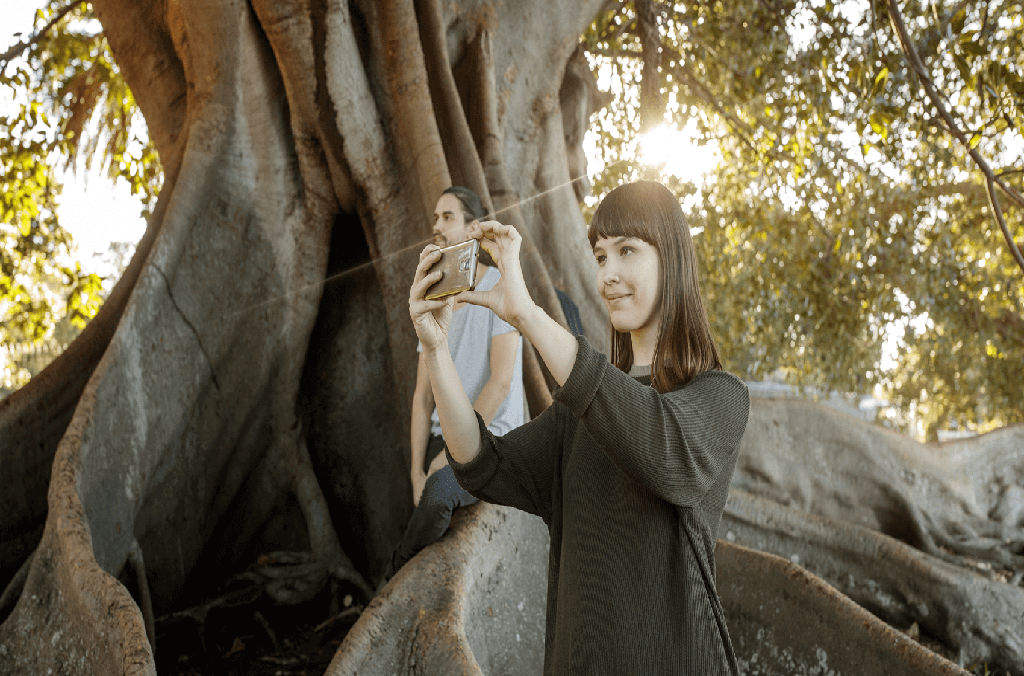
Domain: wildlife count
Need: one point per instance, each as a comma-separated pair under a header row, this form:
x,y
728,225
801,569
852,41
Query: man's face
x,y
449,221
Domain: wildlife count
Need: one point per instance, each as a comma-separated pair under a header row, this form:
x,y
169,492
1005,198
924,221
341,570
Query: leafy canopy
x,y
842,213
840,216
69,108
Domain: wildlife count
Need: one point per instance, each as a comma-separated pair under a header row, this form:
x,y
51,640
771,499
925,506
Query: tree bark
x,y
913,532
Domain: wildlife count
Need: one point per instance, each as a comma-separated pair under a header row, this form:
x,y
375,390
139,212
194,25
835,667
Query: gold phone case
x,y
458,263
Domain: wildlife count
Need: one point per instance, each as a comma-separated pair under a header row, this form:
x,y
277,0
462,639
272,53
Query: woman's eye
x,y
626,250
599,259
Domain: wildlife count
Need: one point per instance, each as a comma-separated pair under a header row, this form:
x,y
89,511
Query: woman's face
x,y
449,221
629,281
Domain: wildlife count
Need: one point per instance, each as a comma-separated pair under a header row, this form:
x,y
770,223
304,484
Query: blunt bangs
x,y
619,216
644,210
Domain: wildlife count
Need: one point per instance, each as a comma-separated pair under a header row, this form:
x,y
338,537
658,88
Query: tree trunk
x,y
298,138
247,386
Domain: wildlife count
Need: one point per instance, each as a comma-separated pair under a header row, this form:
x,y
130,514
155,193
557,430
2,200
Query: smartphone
x,y
458,263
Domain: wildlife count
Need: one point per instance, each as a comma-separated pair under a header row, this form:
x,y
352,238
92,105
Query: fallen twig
x,y
348,612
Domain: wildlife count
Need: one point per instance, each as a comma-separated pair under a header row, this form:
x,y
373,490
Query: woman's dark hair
x,y
685,347
472,210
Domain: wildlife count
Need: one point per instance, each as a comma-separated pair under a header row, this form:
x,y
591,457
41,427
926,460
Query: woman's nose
x,y
609,274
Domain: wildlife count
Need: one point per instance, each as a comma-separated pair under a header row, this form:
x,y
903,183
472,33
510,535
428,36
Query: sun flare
x,y
676,152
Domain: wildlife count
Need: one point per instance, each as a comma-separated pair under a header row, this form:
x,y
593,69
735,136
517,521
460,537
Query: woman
x,y
489,358
630,466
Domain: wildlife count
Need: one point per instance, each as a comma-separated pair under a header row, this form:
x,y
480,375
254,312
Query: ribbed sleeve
x,y
519,468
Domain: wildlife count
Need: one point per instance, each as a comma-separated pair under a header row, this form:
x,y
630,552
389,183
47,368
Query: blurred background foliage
x,y
68,108
848,243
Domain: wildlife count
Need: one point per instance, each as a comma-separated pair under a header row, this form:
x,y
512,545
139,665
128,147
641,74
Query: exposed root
x,y
276,578
268,629
145,599
242,596
976,617
291,578
784,620
322,537
963,506
355,611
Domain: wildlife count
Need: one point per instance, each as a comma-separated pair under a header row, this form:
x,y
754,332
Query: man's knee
x,y
438,497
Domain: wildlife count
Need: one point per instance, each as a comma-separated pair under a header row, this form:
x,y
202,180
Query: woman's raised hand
x,y
509,298
431,318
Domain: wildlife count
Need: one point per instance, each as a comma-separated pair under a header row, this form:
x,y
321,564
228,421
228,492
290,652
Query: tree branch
x,y
652,111
991,179
616,9
17,49
684,71
615,53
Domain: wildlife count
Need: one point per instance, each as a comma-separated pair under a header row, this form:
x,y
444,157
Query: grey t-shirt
x,y
637,370
469,341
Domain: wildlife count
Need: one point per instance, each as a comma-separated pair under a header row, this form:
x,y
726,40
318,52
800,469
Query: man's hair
x,y
472,207
472,210
649,211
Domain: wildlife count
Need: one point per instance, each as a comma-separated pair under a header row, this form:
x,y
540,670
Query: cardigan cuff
x,y
477,473
581,385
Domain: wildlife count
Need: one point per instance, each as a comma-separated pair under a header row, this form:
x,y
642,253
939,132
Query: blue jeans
x,y
442,495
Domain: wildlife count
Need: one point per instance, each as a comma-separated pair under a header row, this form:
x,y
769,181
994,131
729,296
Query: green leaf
x,y
964,68
881,80
973,49
957,24
879,125
975,140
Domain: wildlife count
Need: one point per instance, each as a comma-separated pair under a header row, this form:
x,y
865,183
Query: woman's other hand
x,y
431,318
509,298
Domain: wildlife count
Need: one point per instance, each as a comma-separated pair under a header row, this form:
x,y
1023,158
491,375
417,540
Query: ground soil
x,y
252,635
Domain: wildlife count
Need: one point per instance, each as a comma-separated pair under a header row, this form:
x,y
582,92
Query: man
x,y
488,355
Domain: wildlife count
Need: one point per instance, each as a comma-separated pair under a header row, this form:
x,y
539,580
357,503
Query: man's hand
x,y
419,480
440,462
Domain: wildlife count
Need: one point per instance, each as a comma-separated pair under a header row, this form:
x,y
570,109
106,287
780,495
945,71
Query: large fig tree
x,y
245,386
